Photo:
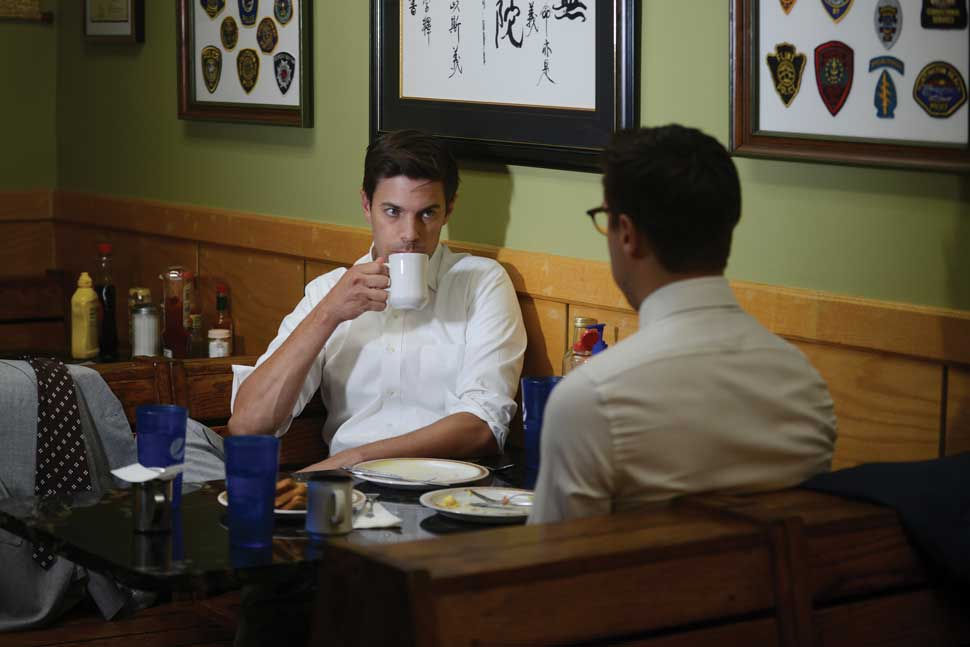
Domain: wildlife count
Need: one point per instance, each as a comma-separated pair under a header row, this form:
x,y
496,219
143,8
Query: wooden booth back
x,y
899,374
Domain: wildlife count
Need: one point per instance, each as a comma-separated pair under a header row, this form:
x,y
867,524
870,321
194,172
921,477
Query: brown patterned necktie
x,y
62,460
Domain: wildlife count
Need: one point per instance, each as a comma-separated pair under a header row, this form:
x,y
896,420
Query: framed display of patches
x,y
868,82
245,61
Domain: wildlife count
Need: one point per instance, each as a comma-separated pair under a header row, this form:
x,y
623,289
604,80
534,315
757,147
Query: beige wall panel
x,y
316,268
26,248
958,411
263,289
138,260
545,325
888,408
618,324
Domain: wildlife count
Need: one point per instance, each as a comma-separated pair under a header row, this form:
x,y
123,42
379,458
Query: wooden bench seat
x,y
204,386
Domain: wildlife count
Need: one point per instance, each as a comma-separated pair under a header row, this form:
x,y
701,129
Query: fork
x,y
507,501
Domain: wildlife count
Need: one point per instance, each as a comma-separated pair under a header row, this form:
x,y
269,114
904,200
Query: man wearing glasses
x,y
702,398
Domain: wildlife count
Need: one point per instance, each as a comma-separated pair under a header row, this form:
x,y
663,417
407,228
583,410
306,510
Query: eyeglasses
x,y
600,217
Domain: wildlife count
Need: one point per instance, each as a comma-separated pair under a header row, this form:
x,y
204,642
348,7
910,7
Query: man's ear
x,y
365,205
632,242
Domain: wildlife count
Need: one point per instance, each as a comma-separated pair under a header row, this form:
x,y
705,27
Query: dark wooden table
x,y
196,557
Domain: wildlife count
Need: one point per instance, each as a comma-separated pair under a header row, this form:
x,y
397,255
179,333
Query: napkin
x,y
381,519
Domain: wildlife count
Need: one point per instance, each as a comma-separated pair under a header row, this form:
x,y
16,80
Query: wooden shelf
x,y
46,17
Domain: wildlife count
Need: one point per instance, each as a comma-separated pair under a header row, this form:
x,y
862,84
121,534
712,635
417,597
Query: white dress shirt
x,y
702,398
388,373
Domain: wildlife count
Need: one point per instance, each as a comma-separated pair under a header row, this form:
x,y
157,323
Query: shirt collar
x,y
434,264
689,294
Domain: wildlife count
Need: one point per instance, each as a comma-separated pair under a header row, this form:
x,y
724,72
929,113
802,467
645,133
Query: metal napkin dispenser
x,y
152,489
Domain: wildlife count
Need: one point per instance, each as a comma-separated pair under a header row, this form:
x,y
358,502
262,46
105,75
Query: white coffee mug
x,y
329,507
409,281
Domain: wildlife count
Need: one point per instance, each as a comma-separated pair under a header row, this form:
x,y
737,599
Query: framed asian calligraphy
x,y
120,21
879,83
245,60
537,82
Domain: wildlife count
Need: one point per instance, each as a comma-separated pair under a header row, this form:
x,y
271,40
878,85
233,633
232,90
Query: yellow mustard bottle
x,y
84,320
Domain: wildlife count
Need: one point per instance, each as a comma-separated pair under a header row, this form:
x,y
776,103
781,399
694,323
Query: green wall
x,y
880,234
28,95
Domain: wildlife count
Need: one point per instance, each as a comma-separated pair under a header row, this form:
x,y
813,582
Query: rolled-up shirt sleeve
x,y
495,344
313,294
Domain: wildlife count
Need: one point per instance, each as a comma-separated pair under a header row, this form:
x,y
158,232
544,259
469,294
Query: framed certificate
x,y
538,82
121,21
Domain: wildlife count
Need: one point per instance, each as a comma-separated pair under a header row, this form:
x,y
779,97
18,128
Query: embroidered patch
x,y
836,9
787,66
284,65
944,14
247,12
786,5
211,67
229,31
213,7
266,35
939,89
247,65
885,96
833,74
283,10
891,62
889,22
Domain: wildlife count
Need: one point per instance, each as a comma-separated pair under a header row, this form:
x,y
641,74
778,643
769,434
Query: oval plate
x,y
439,470
356,496
465,511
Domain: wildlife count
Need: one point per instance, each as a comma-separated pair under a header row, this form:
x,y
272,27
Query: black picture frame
x,y
749,139
300,115
526,135
132,30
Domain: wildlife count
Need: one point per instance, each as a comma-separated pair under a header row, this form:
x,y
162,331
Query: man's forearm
x,y
455,436
266,398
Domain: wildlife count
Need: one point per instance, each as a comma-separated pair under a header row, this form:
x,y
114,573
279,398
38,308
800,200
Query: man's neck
x,y
658,277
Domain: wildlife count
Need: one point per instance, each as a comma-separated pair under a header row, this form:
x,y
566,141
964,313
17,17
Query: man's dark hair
x,y
680,188
411,153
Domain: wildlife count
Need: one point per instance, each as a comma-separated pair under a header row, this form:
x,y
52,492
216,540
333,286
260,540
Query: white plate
x,y
465,511
356,496
441,472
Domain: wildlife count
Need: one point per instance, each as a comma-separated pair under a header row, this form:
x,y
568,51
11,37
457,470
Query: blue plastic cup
x,y
251,466
535,393
161,439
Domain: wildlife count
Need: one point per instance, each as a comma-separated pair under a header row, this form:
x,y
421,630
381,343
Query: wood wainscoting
x,y
899,374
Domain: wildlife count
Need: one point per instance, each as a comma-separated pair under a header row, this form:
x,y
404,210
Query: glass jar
x,y
178,296
219,342
136,296
574,354
144,330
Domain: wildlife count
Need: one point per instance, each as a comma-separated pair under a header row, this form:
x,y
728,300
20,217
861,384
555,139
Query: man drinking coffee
x,y
438,381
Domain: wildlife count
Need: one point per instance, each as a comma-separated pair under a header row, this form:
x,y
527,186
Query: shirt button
x,y
390,394
390,349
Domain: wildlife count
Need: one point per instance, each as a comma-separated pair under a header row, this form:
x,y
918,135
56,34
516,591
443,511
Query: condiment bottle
x,y
136,297
105,289
84,319
582,349
176,307
145,325
219,342
223,318
579,327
